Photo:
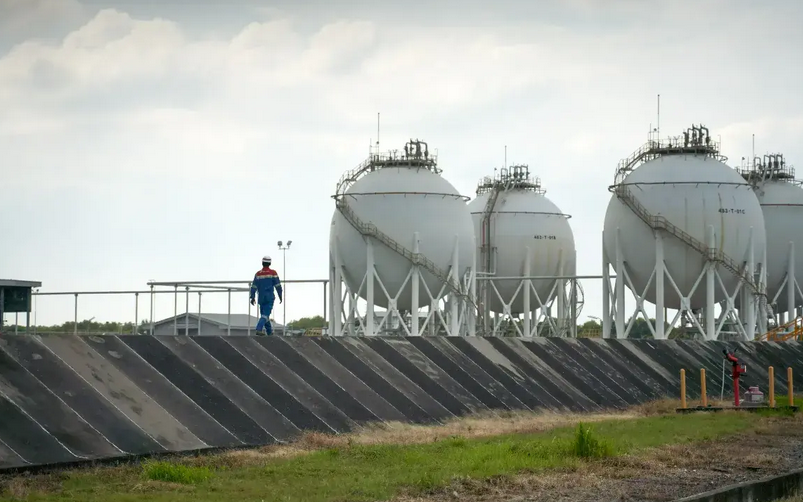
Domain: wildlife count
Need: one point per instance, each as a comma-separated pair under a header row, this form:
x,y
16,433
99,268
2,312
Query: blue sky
x,y
179,141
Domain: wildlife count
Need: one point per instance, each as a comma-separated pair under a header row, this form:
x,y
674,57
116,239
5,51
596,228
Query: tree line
x,y
589,329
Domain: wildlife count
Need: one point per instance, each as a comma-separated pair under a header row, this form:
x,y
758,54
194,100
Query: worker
x,y
265,281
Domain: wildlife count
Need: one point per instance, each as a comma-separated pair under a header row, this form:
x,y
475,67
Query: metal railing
x,y
380,160
793,330
184,288
656,148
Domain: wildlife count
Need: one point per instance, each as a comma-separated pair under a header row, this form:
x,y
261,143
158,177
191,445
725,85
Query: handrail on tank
x,y
771,166
517,176
413,157
696,140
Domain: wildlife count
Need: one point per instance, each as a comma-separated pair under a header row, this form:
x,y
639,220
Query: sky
x,y
180,140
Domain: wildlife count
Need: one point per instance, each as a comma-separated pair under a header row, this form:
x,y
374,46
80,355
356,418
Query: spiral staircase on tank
x,y
374,162
654,149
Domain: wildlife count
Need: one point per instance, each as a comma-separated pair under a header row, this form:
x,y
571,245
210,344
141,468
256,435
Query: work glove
x,y
253,301
280,300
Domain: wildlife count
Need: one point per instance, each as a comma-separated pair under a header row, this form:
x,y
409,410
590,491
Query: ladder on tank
x,y
486,226
371,230
486,251
661,223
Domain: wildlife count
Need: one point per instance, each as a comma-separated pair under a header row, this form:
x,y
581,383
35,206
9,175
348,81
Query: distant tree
x,y
85,327
589,329
307,323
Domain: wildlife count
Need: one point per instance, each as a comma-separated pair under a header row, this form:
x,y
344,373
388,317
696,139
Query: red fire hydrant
x,y
738,370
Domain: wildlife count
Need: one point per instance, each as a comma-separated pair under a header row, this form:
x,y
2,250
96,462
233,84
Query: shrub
x,y
587,445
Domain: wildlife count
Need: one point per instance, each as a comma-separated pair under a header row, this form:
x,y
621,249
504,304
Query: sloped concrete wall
x,y
68,398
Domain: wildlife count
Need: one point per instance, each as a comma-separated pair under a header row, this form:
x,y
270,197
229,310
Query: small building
x,y
211,325
15,298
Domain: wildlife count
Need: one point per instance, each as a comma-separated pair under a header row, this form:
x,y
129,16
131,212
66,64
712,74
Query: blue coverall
x,y
264,282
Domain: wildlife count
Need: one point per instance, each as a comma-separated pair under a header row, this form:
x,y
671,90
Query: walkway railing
x,y
232,289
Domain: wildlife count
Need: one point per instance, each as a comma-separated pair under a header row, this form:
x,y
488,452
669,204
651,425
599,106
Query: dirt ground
x,y
662,474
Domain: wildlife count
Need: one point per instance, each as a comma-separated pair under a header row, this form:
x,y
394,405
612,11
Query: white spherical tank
x,y
523,218
402,201
781,201
693,192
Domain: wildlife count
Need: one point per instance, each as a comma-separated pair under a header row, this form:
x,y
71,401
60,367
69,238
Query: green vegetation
x,y
85,327
170,472
361,472
588,445
90,327
307,323
590,329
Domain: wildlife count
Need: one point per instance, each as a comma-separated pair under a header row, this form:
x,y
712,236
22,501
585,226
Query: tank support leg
x,y
369,284
791,284
606,291
455,276
660,267
620,289
710,320
527,287
416,279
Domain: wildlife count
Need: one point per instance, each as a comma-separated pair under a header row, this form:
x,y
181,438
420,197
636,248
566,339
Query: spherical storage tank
x,y
522,217
693,189
781,200
402,194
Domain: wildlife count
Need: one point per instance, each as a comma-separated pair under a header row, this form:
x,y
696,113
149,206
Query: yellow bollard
x,y
683,389
772,387
790,384
703,394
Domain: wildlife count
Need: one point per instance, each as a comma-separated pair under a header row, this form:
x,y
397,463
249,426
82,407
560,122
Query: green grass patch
x,y
587,445
380,472
171,472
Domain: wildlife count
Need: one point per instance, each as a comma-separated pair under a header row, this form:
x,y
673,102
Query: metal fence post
x,y
152,310
134,330
228,322
324,301
187,314
175,311
199,313
75,331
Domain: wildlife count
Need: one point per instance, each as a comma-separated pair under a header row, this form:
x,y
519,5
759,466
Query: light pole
x,y
284,249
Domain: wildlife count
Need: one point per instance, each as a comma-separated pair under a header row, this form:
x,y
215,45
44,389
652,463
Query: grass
x,y
371,467
587,445
170,472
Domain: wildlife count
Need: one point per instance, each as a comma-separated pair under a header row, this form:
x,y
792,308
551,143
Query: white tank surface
x,y
781,199
522,217
692,191
402,195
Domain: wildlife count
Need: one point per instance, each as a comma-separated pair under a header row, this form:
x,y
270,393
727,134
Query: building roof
x,y
10,283
238,321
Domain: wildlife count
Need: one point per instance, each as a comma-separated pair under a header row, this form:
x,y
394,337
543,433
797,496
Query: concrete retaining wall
x,y
68,398
764,490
